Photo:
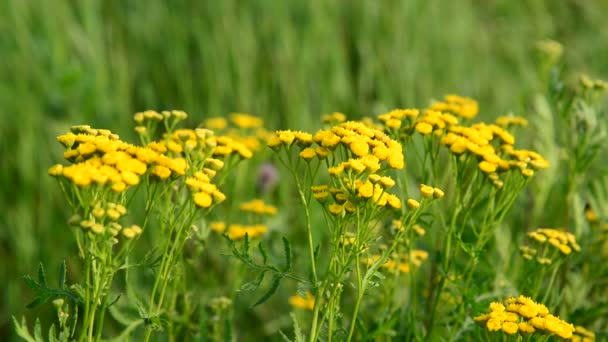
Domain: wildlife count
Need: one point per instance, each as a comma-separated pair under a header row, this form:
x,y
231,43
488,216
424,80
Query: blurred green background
x,y
97,62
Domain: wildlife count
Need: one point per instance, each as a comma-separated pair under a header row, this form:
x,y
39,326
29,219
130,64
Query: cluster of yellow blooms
x,y
523,315
204,192
99,157
103,220
457,105
258,206
299,302
356,156
560,240
253,231
582,335
333,118
243,128
511,121
491,144
394,119
238,231
400,263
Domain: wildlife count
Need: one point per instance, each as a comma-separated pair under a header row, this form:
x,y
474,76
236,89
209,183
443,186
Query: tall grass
x,y
99,61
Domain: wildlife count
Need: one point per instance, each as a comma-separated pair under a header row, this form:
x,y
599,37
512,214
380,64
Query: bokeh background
x,y
99,61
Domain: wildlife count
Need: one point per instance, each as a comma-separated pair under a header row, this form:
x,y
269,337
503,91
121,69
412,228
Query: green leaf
x,y
255,284
263,253
41,275
52,337
245,250
288,260
31,283
273,288
297,331
21,329
38,330
37,301
62,274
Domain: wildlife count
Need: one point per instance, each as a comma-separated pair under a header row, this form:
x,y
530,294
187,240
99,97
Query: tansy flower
x,y
307,303
413,204
424,128
426,191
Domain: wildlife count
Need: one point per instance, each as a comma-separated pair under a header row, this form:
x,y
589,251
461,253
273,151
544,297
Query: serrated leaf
x,y
31,283
273,288
37,301
283,336
255,284
263,253
297,331
38,330
41,275
52,337
21,329
62,275
245,250
287,250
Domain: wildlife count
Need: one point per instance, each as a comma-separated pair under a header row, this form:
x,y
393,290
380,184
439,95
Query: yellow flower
x,y
217,226
129,233
527,172
526,328
286,137
387,182
119,186
359,148
393,201
366,190
393,123
322,152
336,209
307,303
308,153
56,170
356,165
509,327
424,128
97,228
493,324
438,193
426,191
202,199
413,204
487,167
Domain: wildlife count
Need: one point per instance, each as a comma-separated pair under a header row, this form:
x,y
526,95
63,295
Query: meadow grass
x,y
97,62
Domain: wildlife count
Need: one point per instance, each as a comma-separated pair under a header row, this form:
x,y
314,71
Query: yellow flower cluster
x,y
357,180
394,119
103,220
400,263
461,106
523,315
307,303
203,191
333,118
258,206
480,140
582,335
434,120
511,121
99,157
560,240
238,231
242,128
226,146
